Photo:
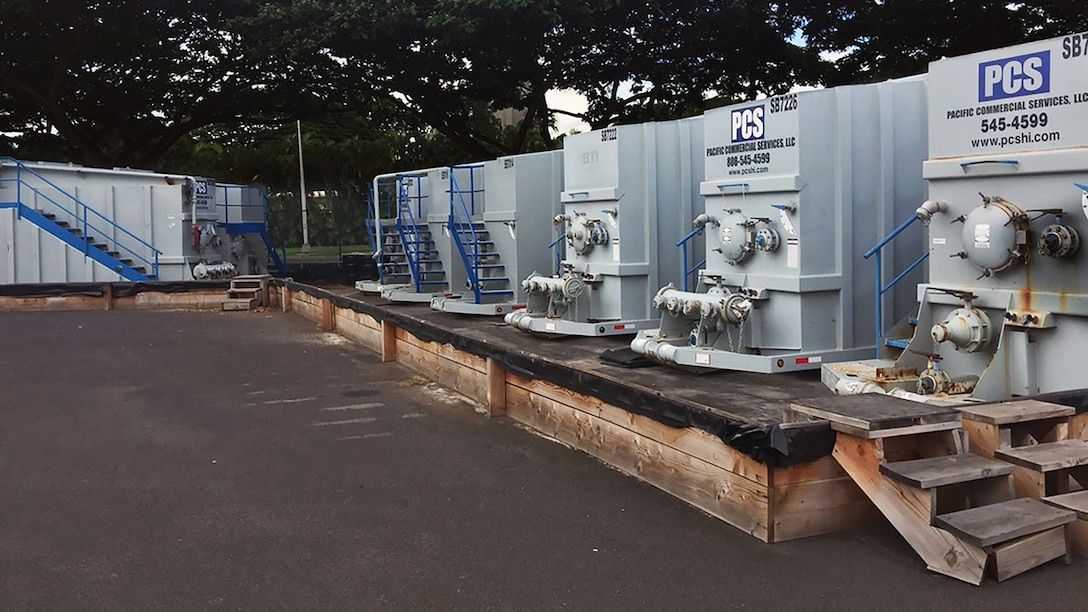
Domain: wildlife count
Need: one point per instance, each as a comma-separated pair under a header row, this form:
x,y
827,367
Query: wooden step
x,y
239,304
244,294
873,416
988,526
1006,413
1078,532
942,471
1047,457
1074,502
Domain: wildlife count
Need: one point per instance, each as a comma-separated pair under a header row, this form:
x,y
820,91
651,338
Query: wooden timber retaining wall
x,y
772,504
211,299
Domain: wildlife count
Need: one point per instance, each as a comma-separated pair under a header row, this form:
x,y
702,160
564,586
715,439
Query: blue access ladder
x,y
896,344
487,278
77,225
246,212
422,258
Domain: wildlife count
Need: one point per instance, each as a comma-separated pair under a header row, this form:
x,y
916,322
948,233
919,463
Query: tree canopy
x,y
214,86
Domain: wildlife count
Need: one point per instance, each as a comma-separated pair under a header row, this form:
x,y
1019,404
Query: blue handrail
x,y
471,260
684,256
558,254
878,251
80,215
409,233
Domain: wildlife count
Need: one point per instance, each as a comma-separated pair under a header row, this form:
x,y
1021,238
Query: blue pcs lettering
x,y
1013,77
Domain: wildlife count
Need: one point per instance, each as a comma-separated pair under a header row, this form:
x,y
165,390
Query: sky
x,y
570,101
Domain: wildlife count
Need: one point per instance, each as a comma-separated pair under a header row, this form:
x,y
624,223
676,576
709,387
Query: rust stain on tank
x,y
1026,292
1063,302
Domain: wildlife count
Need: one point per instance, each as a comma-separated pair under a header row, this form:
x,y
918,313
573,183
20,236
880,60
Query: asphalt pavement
x,y
248,461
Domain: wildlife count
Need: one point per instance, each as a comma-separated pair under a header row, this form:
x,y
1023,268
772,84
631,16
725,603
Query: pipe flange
x,y
967,329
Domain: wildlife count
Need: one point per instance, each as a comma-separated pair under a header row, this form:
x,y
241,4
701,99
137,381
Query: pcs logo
x,y
1013,77
748,123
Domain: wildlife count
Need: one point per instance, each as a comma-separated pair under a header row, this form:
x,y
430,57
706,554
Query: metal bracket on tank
x,y
1083,197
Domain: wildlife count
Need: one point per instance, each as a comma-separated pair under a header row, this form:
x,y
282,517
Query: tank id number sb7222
x,y
747,160
1019,122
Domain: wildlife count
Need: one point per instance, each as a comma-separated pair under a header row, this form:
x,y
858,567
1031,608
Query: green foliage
x,y
873,41
213,87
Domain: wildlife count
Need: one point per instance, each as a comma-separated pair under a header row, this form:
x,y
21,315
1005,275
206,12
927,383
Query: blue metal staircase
x,y
487,278
414,242
77,225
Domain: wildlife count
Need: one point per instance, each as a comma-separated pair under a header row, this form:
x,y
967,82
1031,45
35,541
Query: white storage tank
x,y
628,192
1005,311
511,238
425,224
68,223
797,188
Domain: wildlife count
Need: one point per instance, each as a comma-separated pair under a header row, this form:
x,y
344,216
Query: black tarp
x,y
768,444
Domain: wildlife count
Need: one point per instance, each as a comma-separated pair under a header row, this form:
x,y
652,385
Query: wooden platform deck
x,y
664,426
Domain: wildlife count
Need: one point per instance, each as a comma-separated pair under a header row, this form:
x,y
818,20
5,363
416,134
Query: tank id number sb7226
x,y
747,160
1019,122
784,103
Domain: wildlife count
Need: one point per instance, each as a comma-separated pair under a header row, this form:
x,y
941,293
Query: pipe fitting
x,y
929,208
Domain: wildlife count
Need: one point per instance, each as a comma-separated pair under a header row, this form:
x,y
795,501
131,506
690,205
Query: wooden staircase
x,y
247,292
961,508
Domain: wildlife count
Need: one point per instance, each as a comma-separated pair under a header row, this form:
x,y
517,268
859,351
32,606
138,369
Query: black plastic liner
x,y
45,290
771,445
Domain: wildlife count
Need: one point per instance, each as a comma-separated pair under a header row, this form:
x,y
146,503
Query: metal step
x,y
494,279
496,292
898,343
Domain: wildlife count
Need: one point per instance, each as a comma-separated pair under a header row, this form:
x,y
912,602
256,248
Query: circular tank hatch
x,y
737,237
995,235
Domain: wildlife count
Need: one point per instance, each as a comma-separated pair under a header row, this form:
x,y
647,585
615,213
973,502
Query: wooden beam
x,y
328,316
389,342
496,388
107,297
286,296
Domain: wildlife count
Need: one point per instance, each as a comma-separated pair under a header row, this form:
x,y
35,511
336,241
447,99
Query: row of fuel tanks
x,y
919,236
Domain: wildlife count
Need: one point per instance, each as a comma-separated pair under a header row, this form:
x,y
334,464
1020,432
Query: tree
x,y
118,83
880,40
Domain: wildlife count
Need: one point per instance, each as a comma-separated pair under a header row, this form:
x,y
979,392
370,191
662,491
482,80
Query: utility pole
x,y
302,188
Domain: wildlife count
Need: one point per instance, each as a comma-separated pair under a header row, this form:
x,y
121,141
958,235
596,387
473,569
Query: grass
x,y
328,251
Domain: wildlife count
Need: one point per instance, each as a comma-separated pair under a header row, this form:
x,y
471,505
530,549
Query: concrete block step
x,y
941,471
1047,457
